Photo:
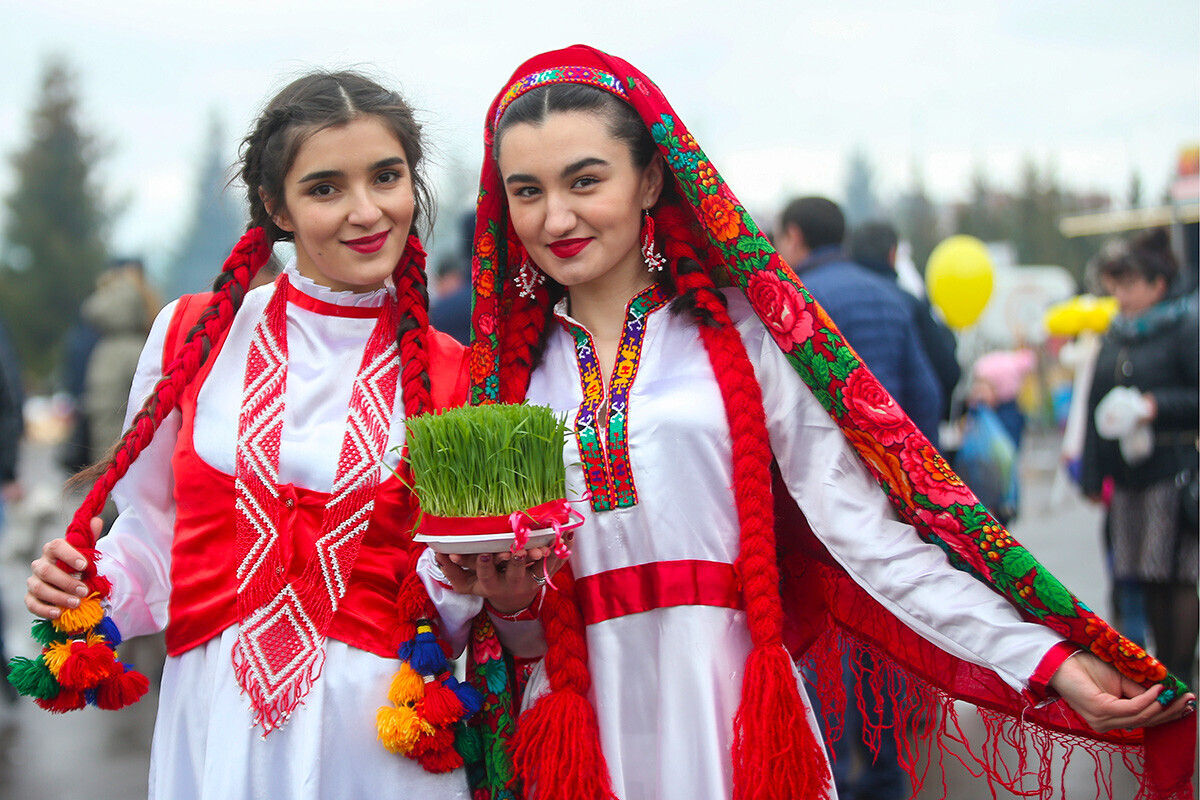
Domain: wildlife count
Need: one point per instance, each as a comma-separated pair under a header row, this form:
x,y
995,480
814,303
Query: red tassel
x,y
122,690
440,761
442,706
88,666
66,700
436,753
775,754
556,752
99,585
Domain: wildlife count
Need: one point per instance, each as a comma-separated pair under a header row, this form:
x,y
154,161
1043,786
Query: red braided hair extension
x,y
413,297
556,750
524,320
412,335
247,257
775,754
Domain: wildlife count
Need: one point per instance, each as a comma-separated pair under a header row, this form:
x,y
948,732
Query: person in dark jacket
x,y
1145,387
873,245
870,310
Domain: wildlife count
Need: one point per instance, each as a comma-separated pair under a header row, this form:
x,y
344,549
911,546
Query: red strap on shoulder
x,y
187,313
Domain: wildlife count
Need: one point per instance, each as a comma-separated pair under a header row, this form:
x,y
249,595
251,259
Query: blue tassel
x,y
89,695
468,695
423,653
108,629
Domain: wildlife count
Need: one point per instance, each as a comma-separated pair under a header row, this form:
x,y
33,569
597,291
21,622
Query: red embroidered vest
x,y
203,559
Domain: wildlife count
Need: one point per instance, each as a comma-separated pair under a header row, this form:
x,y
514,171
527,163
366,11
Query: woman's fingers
x,y
49,587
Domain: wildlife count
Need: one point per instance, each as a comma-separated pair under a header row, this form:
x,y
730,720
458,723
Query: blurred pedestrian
x,y
1142,433
12,430
450,307
874,245
450,300
999,376
872,312
121,310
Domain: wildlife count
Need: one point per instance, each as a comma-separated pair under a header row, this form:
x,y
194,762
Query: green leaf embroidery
x,y
1053,594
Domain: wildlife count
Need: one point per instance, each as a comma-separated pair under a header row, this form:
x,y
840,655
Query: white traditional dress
x,y
667,640
204,744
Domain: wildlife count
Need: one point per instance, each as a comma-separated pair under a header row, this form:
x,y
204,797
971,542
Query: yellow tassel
x,y
82,618
407,687
400,728
55,655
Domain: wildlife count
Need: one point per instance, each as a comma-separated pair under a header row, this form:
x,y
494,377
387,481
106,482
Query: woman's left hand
x,y
1107,700
509,581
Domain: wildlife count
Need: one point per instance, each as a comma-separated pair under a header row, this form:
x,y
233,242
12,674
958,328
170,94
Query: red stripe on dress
x,y
661,584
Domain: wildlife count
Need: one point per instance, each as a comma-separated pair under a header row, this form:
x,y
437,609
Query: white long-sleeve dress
x,y
667,672
204,746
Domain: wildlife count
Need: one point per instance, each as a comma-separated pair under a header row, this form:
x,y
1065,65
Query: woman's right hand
x,y
49,587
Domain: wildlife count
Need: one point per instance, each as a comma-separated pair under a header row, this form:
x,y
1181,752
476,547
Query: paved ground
x,y
102,755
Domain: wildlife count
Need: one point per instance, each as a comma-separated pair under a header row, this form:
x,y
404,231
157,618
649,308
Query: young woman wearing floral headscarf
x,y
603,236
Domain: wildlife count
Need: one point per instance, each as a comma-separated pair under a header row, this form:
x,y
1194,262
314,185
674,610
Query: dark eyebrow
x,y
583,163
337,173
568,171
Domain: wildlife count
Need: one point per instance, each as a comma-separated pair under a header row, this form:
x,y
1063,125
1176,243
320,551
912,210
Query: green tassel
x,y
468,742
32,678
45,634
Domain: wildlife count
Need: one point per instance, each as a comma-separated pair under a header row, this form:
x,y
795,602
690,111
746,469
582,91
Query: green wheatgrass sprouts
x,y
484,461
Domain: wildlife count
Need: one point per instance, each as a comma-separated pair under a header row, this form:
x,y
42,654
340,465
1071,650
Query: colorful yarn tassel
x,y
427,704
78,665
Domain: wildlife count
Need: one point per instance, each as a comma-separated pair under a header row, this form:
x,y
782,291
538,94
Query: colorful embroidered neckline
x,y
609,475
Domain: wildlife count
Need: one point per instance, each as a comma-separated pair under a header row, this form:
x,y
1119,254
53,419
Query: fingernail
x,y
485,558
81,591
80,563
1189,707
74,602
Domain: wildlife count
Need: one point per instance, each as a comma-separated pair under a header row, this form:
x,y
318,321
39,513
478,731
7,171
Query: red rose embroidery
x,y
946,524
781,307
873,410
486,324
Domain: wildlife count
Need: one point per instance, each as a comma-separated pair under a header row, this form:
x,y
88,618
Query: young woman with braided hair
x,y
260,521
726,442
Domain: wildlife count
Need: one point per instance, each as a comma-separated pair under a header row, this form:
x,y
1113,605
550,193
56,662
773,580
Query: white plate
x,y
484,543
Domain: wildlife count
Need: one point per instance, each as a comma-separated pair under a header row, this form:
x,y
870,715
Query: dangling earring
x,y
654,260
528,278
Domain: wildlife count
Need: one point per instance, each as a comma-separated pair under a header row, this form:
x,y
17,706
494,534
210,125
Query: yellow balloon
x,y
1099,313
1064,319
1078,314
959,279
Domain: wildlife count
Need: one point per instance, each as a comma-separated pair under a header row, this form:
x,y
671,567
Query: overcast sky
x,y
778,93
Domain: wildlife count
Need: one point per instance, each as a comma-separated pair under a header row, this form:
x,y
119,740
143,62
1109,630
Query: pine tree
x,y
917,220
983,215
861,205
56,227
217,222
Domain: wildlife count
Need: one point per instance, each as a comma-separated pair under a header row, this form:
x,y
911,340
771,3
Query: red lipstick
x,y
368,244
566,248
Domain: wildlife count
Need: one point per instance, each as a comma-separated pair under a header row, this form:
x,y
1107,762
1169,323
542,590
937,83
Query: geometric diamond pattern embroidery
x,y
280,648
